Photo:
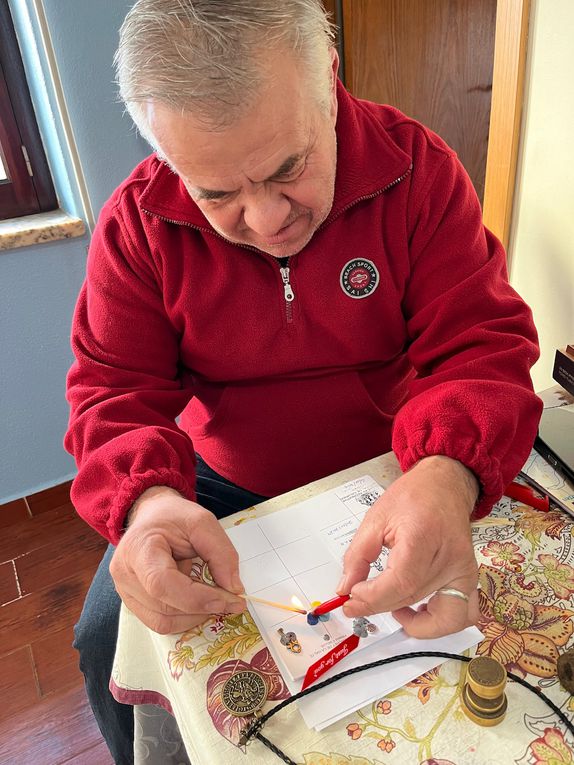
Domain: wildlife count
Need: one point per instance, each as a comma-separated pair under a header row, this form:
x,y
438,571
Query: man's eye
x,y
291,175
214,197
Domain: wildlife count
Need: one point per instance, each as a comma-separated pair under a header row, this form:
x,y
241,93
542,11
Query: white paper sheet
x,y
298,552
325,707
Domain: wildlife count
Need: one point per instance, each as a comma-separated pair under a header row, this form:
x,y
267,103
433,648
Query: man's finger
x,y
442,615
364,549
163,623
400,584
161,579
212,545
135,596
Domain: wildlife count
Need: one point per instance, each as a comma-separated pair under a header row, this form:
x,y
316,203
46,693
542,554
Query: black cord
x,y
254,729
274,749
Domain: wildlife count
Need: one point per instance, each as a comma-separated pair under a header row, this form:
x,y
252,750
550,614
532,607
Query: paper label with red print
x,y
328,661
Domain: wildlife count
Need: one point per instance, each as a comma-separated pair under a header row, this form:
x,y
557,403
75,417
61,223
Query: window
x,y
25,183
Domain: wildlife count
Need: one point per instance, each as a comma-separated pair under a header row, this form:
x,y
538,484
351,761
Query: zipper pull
x,y
289,294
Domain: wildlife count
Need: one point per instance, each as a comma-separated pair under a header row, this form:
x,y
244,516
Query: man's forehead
x,y
217,161
257,144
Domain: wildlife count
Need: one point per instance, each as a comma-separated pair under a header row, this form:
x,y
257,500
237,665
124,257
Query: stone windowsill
x,y
35,229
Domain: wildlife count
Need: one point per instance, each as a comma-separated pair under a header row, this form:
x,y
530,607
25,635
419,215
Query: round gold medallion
x,y
486,677
244,693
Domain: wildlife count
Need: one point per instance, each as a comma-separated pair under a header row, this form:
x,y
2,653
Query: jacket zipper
x,y
287,289
368,196
198,228
284,269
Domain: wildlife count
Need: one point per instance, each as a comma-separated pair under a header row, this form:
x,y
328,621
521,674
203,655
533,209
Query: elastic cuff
x,y
486,470
133,487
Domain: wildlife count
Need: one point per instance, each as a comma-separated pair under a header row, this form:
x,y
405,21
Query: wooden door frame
x,y
510,44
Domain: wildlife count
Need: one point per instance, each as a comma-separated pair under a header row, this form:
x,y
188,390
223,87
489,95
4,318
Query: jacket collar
x,y
368,161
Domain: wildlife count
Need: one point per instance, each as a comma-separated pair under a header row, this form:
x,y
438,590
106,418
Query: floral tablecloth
x,y
527,610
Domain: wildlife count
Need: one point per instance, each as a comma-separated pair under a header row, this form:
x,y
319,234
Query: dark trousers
x,y
97,630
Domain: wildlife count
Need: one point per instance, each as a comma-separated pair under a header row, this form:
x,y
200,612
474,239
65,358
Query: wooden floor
x,y
47,559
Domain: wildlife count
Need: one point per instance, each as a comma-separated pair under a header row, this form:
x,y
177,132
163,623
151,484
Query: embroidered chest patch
x,y
359,278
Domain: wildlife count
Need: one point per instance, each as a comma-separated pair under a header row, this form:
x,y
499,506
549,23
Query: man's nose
x,y
266,211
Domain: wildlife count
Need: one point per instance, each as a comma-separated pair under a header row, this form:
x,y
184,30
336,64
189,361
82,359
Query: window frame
x,y
29,188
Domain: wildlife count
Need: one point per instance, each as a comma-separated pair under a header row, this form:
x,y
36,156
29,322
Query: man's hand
x,y
151,564
424,518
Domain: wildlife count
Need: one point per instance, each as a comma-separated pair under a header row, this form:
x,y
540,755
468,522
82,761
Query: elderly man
x,y
294,282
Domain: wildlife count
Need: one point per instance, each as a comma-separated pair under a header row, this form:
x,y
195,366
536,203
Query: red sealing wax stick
x,y
330,605
526,495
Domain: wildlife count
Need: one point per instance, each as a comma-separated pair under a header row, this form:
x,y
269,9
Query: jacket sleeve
x,y
123,388
472,342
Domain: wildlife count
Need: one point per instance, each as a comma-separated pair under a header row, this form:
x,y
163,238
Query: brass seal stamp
x,y
244,693
486,677
483,698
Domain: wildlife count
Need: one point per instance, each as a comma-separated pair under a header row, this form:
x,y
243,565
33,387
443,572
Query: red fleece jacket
x,y
403,324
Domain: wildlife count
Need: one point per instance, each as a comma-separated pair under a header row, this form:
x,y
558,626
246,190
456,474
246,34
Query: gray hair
x,y
206,56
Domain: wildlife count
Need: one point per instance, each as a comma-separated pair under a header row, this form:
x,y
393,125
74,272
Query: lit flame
x,y
297,603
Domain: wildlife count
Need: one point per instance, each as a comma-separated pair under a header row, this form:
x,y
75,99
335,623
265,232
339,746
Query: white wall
x,y
542,243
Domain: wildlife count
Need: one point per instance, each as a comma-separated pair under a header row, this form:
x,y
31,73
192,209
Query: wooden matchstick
x,y
283,606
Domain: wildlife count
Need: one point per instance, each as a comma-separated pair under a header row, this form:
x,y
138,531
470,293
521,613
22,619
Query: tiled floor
x,y
47,559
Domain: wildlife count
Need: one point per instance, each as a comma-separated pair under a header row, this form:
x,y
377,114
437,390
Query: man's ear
x,y
334,72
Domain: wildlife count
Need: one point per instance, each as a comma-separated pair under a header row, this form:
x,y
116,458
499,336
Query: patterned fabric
x,y
527,610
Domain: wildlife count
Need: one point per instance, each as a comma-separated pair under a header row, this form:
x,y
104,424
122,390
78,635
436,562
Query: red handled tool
x,y
526,495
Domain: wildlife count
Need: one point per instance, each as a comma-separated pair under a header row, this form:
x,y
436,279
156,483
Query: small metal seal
x,y
483,699
244,693
485,719
486,677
